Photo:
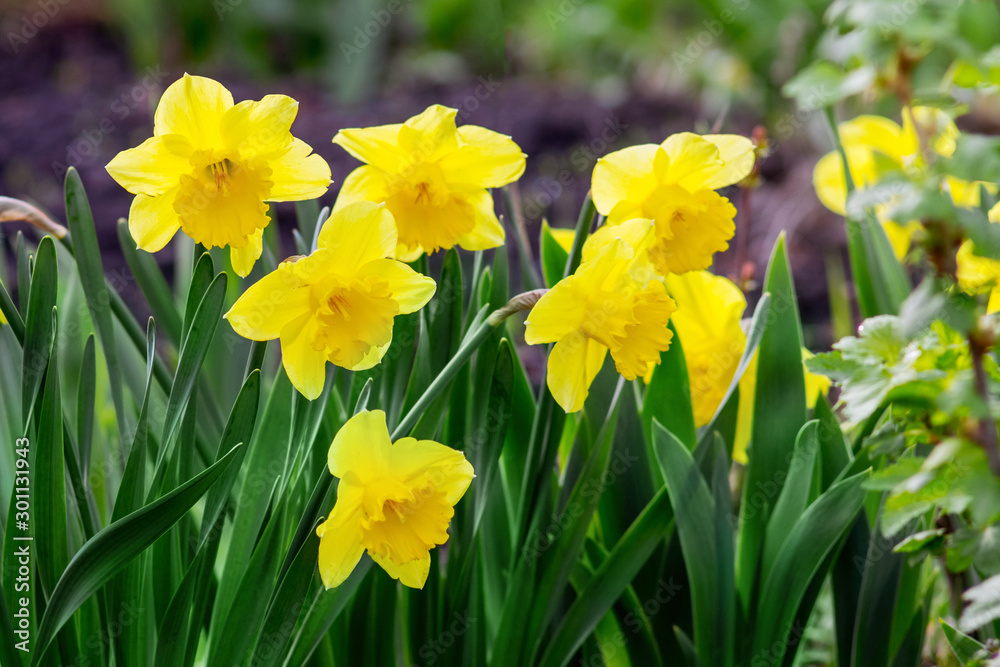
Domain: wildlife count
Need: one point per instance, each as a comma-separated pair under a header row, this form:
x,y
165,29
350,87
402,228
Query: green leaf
x,y
325,608
554,257
238,429
814,536
49,492
152,284
193,352
12,314
982,605
115,546
964,646
712,605
87,252
38,329
794,496
779,413
287,603
264,465
668,396
612,577
242,625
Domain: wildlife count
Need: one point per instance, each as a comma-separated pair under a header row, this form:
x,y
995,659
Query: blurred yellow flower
x,y
433,177
211,165
709,311
979,274
394,501
338,303
875,146
674,185
602,307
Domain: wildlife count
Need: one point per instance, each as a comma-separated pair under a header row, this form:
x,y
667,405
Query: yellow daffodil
x,y
433,177
211,165
602,307
338,303
394,501
561,235
709,312
979,274
674,185
875,146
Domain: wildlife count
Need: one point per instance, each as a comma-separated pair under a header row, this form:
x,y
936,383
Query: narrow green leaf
x,y
193,352
152,284
115,546
49,492
12,314
695,512
38,326
668,396
324,610
243,623
554,257
964,646
794,496
815,534
87,252
611,578
86,395
779,413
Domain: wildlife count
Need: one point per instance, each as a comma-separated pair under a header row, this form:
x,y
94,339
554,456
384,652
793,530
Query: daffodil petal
x,y
260,128
377,146
412,574
244,258
361,447
152,167
193,107
304,365
411,290
372,357
573,364
357,234
484,158
876,133
557,314
623,175
638,233
737,155
830,183
428,136
366,183
445,468
340,550
487,231
270,304
152,221
994,302
299,174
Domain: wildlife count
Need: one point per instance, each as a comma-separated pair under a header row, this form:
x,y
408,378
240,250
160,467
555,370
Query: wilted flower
x,y
338,303
210,167
394,501
433,177
673,184
604,306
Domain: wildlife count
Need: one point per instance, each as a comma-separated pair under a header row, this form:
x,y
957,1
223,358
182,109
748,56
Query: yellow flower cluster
x,y
876,146
664,220
212,165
